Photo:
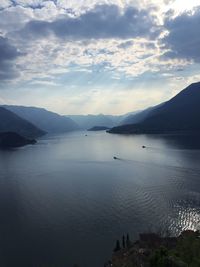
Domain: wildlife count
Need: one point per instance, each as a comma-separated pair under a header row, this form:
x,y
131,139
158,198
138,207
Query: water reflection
x,y
66,199
183,141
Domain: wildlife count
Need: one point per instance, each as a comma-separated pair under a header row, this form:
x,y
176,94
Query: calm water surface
x,y
65,200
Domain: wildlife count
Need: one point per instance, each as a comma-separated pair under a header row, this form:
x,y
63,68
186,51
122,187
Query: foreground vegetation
x,y
151,250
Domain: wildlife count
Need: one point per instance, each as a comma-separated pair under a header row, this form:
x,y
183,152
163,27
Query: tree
x,y
123,242
117,247
128,242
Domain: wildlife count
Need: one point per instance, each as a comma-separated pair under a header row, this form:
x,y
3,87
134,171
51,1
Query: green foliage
x,y
188,249
186,253
159,258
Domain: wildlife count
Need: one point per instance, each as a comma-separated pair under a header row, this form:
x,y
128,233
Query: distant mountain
x,y
138,116
179,114
10,122
98,128
12,140
89,121
46,120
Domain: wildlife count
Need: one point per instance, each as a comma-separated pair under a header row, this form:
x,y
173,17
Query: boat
x,y
143,146
115,158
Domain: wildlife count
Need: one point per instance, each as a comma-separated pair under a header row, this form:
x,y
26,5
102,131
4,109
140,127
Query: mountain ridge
x,y
11,122
179,114
48,121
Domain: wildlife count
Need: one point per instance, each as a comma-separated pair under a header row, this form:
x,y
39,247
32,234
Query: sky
x,y
91,57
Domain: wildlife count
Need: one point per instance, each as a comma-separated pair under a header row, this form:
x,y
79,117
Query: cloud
x,y
5,4
126,44
101,22
31,3
183,40
8,54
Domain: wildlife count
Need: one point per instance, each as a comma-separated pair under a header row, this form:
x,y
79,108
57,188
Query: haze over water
x,y
66,200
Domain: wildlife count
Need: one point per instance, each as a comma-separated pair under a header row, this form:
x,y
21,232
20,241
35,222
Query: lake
x,y
66,200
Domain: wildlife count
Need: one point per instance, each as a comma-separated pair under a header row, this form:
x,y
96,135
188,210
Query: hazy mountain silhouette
x,y
179,114
138,116
10,122
89,121
46,120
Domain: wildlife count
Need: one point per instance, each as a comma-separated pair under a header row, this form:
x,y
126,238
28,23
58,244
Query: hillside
x,y
179,114
10,122
139,116
48,121
151,250
13,140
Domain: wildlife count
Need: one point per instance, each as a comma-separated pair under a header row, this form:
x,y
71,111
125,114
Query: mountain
x,y
179,114
89,121
10,122
138,116
48,121
12,139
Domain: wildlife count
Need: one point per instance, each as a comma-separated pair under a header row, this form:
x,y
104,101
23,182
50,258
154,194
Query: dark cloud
x,y
101,22
126,44
183,39
8,54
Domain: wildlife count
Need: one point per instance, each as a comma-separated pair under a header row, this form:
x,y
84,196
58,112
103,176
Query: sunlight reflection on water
x,y
68,190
